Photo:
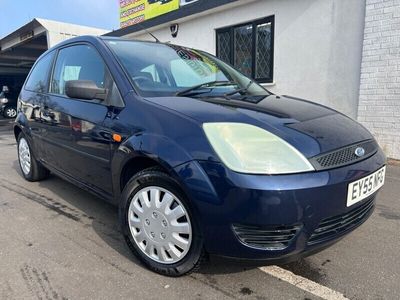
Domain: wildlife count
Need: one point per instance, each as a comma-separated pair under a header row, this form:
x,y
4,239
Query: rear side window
x,y
80,62
37,81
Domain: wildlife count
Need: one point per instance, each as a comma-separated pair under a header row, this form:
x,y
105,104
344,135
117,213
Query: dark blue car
x,y
199,158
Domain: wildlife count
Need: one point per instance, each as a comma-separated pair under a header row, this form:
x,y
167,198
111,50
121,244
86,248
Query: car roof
x,y
96,39
84,38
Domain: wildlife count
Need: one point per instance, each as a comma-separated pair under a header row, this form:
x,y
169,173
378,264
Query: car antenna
x,y
149,33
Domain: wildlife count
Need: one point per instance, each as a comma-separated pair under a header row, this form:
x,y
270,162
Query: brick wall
x,y
379,103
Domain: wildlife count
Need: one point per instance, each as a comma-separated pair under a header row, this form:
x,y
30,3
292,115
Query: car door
x,y
32,96
78,139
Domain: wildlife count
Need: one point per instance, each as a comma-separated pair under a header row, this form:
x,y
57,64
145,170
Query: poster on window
x,y
135,11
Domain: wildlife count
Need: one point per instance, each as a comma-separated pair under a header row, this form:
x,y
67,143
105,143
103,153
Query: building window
x,y
249,48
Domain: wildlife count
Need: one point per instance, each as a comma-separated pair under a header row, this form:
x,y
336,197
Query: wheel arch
x,y
142,152
145,151
135,165
21,125
17,131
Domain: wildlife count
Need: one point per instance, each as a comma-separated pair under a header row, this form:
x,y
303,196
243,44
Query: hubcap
x,y
160,225
24,156
11,112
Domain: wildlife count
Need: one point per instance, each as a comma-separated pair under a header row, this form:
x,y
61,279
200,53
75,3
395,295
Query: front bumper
x,y
222,199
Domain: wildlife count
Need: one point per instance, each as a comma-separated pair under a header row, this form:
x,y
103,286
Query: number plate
x,y
364,187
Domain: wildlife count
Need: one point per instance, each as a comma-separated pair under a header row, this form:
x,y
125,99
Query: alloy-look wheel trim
x,y
160,225
24,156
11,112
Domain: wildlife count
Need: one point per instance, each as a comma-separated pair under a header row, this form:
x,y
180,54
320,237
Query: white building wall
x,y
379,108
318,45
59,31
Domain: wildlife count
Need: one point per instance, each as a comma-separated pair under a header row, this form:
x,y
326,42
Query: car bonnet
x,y
311,128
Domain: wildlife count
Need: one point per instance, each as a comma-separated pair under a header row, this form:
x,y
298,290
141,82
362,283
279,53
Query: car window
x,y
171,69
80,62
151,73
37,81
83,62
188,73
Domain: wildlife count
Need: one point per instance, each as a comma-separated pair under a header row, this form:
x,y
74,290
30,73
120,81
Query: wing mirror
x,y
84,89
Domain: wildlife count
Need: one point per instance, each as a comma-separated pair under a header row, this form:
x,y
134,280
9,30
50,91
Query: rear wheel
x,y
158,224
32,170
10,112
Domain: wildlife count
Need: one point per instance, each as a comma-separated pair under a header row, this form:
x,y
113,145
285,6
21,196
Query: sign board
x,y
135,11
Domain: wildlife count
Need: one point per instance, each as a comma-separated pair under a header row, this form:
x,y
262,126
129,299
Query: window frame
x,y
48,76
111,102
254,24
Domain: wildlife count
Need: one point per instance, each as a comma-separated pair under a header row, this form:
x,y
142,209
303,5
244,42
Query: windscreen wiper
x,y
192,89
245,89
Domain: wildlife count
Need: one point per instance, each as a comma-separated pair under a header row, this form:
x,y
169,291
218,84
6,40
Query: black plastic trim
x,y
370,146
331,227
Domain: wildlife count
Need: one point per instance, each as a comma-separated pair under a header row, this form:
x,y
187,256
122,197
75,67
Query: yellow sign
x,y
135,11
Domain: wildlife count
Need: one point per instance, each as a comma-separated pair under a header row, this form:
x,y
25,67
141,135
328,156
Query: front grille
x,y
343,156
333,226
267,238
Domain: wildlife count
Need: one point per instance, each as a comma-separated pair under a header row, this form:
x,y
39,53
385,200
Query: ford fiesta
x,y
199,158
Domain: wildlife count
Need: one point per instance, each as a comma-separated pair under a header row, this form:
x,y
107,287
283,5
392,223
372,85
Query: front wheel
x,y
10,112
158,224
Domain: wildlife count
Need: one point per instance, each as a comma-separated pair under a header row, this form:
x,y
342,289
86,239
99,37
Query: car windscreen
x,y
158,70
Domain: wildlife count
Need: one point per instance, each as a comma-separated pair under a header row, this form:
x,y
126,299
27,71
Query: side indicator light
x,y
117,138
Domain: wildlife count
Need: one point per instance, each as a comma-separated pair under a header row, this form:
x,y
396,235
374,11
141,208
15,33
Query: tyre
x,y
31,169
10,112
159,226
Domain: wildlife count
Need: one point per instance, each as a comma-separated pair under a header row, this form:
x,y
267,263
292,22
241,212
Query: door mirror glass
x,y
84,89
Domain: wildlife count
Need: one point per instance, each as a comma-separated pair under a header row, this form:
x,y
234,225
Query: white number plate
x,y
364,187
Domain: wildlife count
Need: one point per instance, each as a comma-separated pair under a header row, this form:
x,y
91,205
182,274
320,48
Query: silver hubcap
x,y
160,225
11,112
24,156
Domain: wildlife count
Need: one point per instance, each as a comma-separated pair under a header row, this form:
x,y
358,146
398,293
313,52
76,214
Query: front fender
x,y
160,149
172,157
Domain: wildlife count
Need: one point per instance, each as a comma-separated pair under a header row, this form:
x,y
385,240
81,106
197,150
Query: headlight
x,y
4,100
249,149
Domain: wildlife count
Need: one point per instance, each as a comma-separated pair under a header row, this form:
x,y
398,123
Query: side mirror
x,y
84,89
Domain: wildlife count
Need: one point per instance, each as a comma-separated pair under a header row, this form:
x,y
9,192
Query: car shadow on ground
x,y
89,210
